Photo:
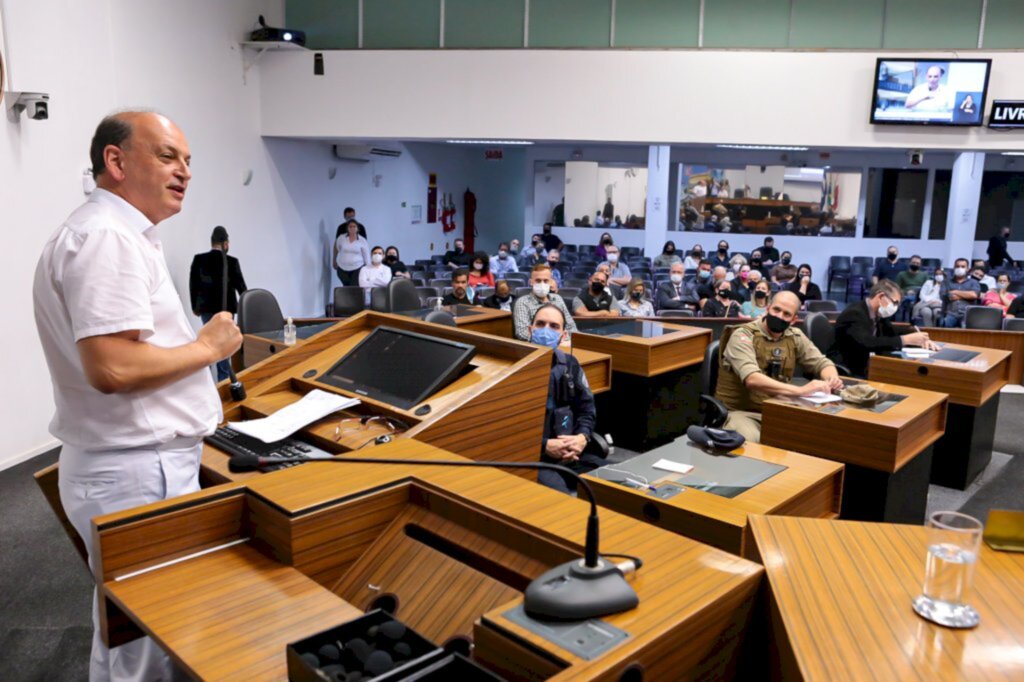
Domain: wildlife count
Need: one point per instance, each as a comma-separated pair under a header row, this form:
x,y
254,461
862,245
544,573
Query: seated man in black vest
x,y
865,327
757,361
570,415
595,300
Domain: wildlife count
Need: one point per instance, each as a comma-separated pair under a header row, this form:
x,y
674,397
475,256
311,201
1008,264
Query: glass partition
x,y
590,194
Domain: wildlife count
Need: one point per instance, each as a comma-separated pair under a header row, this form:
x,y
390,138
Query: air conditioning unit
x,y
362,152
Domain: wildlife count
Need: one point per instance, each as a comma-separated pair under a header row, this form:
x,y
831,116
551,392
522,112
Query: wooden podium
x,y
888,454
495,410
840,605
973,387
224,578
657,378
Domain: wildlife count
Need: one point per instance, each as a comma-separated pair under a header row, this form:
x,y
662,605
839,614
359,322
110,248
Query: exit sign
x,y
493,154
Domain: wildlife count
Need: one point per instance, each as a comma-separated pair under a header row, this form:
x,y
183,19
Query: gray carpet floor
x,y
45,599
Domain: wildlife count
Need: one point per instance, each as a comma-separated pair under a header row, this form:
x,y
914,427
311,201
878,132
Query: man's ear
x,y
113,157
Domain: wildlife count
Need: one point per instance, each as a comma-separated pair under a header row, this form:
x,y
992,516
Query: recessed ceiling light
x,y
1013,153
509,142
763,147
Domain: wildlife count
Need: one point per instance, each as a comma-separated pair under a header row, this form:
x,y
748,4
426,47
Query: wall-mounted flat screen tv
x,y
948,92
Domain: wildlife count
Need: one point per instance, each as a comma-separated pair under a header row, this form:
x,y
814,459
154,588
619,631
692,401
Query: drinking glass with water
x,y
953,543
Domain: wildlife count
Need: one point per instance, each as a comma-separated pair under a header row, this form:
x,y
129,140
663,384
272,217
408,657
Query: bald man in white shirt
x,y
131,379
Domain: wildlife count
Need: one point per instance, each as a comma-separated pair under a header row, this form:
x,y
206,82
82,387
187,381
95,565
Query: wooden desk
x,y
657,380
477,319
807,487
985,338
597,367
888,454
973,389
493,411
456,546
260,346
840,596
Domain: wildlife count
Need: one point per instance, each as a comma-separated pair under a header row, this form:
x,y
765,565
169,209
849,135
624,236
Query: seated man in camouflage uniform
x,y
757,361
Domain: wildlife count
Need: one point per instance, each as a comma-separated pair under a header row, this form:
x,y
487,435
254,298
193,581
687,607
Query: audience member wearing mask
x,y
596,300
694,258
865,327
462,293
550,239
757,263
958,293
526,306
535,253
887,269
1000,297
803,287
668,256
514,247
480,274
722,305
676,294
620,271
503,263
928,310
721,256
741,285
784,272
554,258
457,257
913,278
758,303
601,252
769,252
703,282
570,413
985,280
633,303
394,261
376,274
708,288
501,299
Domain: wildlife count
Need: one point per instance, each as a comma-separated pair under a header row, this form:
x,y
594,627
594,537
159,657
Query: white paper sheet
x,y
315,405
674,467
820,398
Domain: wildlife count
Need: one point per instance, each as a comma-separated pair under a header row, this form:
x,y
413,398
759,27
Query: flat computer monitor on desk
x,y
399,367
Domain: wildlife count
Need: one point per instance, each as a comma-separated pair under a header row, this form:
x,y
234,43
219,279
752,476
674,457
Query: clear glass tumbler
x,y
953,543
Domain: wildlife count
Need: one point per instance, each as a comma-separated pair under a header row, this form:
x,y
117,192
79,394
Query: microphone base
x,y
573,591
237,390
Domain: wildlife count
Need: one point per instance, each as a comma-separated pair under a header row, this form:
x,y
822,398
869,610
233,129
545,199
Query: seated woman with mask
x,y
633,303
758,303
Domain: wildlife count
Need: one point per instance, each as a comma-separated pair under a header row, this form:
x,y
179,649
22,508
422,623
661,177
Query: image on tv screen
x,y
930,92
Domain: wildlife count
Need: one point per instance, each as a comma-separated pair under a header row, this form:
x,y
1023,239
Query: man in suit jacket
x,y
865,328
675,294
206,284
997,254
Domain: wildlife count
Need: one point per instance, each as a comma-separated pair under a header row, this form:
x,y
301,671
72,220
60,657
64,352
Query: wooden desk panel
x,y
683,347
685,628
809,486
984,338
841,595
970,383
597,367
883,441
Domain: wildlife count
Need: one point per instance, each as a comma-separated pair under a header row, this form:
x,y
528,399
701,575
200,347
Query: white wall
x,y
398,82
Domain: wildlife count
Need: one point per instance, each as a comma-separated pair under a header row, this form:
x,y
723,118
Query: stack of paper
x,y
315,405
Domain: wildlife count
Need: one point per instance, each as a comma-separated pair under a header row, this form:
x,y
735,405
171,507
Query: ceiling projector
x,y
268,34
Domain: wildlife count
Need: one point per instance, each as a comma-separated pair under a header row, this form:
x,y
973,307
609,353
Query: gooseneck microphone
x,y
575,590
236,387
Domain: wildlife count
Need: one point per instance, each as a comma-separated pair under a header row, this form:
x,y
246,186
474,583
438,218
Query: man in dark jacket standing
x,y
865,327
997,254
206,284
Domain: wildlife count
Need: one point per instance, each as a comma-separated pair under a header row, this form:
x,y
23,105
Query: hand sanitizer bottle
x,y
289,333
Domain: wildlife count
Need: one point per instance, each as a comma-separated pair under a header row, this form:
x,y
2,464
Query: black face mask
x,y
607,242
722,250
786,260
458,249
724,293
756,262
892,256
503,299
390,259
760,295
776,325
915,268
596,287
637,295
670,251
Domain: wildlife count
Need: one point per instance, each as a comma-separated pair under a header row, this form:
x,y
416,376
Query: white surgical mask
x,y
541,289
613,258
939,279
676,278
736,267
503,254
729,277
1003,285
960,272
887,310
377,258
